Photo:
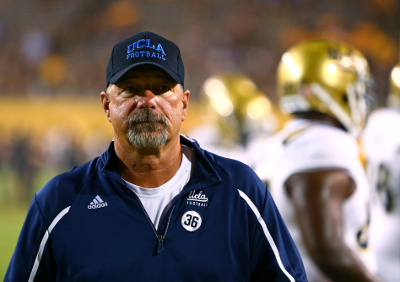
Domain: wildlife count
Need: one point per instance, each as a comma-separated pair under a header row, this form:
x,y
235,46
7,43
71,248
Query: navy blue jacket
x,y
86,225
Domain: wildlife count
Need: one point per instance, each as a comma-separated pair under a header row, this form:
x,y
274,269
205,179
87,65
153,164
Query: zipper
x,y
160,237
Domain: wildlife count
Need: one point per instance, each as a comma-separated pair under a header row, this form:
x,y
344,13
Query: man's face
x,y
146,106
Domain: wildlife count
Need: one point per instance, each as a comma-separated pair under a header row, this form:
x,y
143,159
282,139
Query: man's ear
x,y
105,102
185,103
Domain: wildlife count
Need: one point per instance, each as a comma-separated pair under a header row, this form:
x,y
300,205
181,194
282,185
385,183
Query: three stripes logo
x,y
97,203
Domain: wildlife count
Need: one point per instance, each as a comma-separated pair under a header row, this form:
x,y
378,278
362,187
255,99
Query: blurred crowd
x,y
53,48
57,47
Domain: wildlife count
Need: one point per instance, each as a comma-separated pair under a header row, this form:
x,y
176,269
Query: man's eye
x,y
156,89
132,89
160,89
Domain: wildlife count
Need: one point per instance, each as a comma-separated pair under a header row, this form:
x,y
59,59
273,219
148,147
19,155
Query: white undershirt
x,y
156,201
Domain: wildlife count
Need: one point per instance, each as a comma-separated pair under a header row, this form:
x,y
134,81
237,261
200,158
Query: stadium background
x,y
53,55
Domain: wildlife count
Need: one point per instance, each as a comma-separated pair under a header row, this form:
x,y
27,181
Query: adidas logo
x,y
97,203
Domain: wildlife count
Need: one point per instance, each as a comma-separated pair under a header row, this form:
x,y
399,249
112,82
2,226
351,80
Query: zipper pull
x,y
160,243
161,238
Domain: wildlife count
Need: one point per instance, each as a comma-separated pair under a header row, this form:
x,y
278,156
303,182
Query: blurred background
x,y
53,56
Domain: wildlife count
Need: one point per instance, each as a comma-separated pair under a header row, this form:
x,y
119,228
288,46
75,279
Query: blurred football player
x,y
235,111
381,145
313,164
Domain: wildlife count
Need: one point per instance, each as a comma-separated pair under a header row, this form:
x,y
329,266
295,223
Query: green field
x,y
11,220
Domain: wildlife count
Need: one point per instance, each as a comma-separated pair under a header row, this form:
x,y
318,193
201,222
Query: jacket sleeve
x,y
285,245
274,254
31,248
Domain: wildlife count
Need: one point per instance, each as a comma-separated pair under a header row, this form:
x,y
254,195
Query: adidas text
x,y
97,206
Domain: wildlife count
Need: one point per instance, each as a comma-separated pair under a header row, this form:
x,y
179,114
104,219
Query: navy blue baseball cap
x,y
145,48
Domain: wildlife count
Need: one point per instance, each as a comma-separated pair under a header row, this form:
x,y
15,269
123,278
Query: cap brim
x,y
123,71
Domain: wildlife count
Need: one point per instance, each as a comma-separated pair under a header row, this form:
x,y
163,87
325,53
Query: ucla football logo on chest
x,y
197,198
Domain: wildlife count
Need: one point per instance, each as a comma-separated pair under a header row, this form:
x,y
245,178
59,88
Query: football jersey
x,y
303,146
381,145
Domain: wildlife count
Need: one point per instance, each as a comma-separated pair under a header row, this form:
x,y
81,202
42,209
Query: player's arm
x,y
318,201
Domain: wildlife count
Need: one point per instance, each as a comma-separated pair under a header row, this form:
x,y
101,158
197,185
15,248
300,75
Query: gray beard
x,y
152,134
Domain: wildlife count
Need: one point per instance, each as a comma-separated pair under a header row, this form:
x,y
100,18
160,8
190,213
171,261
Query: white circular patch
x,y
191,221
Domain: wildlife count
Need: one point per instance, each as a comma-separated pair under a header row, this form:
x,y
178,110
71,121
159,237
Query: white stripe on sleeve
x,y
267,234
44,241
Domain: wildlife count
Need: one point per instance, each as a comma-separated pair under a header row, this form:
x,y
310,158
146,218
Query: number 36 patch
x,y
191,221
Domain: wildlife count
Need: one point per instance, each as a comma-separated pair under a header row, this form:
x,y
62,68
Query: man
x,y
313,165
154,206
381,144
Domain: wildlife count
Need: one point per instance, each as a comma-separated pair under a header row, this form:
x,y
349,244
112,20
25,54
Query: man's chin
x,y
147,139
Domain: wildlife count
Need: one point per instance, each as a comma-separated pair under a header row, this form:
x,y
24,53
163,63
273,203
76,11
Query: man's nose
x,y
147,101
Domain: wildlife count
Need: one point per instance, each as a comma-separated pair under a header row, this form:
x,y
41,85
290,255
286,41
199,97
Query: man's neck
x,y
149,168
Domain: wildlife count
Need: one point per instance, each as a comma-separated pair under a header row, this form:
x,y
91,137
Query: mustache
x,y
148,116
